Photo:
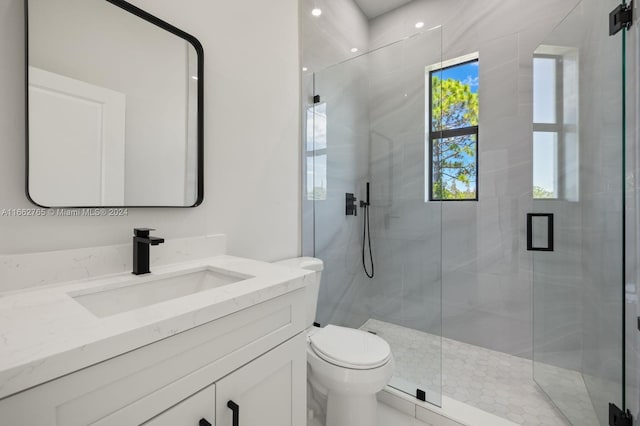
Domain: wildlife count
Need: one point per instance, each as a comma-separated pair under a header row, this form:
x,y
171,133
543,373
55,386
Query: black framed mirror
x,y
114,106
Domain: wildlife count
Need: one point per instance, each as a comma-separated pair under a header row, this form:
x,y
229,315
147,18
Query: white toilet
x,y
346,365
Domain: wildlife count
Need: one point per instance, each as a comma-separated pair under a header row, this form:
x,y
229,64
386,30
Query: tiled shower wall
x,y
486,272
345,92
601,180
341,27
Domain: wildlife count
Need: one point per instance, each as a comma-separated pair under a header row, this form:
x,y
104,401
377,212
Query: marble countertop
x,y
45,333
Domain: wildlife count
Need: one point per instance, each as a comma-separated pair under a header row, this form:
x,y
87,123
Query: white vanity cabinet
x,y
268,391
255,357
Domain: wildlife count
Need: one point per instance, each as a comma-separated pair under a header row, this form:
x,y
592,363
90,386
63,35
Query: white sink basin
x,y
148,290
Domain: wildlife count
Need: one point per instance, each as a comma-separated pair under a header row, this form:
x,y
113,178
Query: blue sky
x,y
467,73
545,145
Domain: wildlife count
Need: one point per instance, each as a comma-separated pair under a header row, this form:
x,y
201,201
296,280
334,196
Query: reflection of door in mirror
x,y
85,58
76,142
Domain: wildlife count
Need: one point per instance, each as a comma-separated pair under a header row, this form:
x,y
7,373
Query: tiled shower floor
x,y
492,381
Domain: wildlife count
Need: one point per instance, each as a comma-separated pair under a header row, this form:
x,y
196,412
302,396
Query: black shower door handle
x,y
530,224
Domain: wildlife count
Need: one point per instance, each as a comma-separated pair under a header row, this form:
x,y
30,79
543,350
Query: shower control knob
x,y
351,208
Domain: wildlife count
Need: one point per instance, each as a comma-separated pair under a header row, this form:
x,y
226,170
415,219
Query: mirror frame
x,y
128,7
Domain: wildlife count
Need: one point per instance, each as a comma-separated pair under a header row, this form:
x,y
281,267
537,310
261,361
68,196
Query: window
x,y
453,131
316,152
555,119
547,78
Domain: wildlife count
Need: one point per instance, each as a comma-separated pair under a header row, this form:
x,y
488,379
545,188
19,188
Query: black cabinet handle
x,y
235,408
204,422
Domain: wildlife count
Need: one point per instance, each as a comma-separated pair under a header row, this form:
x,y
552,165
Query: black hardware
x,y
638,323
235,408
372,332
365,203
204,422
350,204
620,18
141,243
421,395
316,99
317,324
549,217
617,417
366,236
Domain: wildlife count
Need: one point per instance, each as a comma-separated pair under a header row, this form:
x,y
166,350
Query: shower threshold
x,y
494,382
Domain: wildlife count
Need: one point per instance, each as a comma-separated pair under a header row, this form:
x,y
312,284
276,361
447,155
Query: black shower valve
x,y
351,208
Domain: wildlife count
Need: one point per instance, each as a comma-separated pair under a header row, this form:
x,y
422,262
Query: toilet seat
x,y
350,348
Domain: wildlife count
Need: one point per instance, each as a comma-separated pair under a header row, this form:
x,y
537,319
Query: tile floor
x,y
495,382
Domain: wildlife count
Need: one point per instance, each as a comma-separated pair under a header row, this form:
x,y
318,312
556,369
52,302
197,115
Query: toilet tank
x,y
312,289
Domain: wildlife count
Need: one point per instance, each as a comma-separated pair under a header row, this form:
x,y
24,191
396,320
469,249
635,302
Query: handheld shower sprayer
x,y
366,234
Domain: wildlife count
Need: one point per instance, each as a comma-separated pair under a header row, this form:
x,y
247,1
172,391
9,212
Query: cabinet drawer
x,y
186,413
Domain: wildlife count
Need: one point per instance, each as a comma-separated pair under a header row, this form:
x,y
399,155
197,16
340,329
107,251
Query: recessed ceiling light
x,y
316,12
304,68
194,77
419,24
354,49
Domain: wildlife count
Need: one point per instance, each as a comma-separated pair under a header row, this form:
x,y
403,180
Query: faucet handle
x,y
142,232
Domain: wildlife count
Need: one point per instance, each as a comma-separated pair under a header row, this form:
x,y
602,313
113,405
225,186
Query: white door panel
x,y
88,122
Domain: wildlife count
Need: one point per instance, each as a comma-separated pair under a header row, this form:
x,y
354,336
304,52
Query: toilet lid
x,y
350,348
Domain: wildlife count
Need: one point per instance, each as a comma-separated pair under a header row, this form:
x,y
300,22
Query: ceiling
x,y
373,8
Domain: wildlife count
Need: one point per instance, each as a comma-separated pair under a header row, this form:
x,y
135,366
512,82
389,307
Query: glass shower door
x,y
369,120
576,232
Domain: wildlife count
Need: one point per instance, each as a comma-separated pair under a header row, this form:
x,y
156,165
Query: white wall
x,y
251,135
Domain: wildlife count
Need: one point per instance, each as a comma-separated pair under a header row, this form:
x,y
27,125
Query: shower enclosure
x,y
520,255
367,126
579,173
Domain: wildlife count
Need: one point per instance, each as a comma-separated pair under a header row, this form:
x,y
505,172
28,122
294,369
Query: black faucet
x,y
141,243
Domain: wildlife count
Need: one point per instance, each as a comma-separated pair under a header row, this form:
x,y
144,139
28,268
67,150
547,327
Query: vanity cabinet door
x,y
269,391
197,410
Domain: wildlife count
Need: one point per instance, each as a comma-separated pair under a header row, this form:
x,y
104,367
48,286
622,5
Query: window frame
x,y
314,153
449,133
557,127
